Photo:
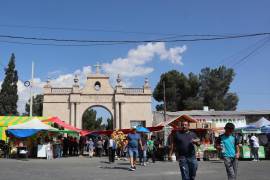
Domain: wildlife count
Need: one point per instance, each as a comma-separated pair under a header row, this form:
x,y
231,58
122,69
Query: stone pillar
x,y
117,115
121,114
79,119
72,114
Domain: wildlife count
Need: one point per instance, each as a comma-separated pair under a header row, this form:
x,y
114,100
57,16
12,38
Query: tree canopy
x,y
187,92
37,106
91,122
9,90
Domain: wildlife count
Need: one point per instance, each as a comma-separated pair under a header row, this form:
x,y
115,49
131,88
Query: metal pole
x,y
164,100
31,91
164,112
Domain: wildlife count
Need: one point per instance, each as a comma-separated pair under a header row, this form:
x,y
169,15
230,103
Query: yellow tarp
x,y
6,121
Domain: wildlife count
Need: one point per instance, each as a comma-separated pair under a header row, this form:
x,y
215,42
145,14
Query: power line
x,y
231,58
245,58
53,44
136,41
99,30
84,29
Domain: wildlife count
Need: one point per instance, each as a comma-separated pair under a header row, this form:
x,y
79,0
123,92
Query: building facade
x,y
127,106
216,118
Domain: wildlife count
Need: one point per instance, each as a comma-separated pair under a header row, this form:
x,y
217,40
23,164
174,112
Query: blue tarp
x,y
23,133
142,129
265,129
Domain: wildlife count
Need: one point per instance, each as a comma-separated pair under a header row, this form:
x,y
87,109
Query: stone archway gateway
x,y
128,106
101,112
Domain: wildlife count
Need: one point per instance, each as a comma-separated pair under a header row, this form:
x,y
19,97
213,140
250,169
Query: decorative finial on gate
x,y
118,80
97,68
48,82
76,79
146,83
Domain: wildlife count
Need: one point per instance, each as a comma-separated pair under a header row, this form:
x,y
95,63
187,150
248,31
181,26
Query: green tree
x,y
209,88
215,85
9,90
180,92
37,106
91,122
109,125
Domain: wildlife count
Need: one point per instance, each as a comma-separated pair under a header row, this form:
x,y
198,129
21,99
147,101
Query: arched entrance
x,y
126,105
97,117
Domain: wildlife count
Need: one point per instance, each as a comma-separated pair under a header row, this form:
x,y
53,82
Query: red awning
x,y
62,123
109,132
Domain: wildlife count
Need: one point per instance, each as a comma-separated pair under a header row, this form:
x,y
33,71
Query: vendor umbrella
x,y
29,128
142,129
265,129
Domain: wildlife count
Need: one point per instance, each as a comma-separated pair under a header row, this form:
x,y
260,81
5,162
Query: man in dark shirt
x,y
183,142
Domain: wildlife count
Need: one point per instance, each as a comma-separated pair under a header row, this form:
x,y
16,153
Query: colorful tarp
x,y
62,123
6,121
29,128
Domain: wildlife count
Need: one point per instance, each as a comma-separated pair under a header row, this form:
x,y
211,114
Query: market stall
x,y
242,134
24,139
6,121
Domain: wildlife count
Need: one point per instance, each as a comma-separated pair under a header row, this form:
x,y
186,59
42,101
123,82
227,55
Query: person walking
x,y
75,147
183,141
151,149
82,142
111,149
134,142
99,146
143,150
255,147
228,144
91,147
65,147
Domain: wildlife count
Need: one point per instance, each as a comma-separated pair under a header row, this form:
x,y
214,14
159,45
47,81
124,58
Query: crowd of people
x,y
107,146
104,146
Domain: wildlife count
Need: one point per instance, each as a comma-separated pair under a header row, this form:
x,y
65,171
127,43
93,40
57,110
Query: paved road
x,y
98,169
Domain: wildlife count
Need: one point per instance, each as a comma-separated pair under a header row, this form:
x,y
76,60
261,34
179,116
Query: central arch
x,y
101,117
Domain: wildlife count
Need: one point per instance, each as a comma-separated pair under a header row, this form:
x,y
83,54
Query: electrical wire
x,y
97,30
245,58
231,58
135,41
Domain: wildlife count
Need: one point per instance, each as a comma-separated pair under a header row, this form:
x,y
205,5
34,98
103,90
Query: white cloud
x,y
64,80
134,64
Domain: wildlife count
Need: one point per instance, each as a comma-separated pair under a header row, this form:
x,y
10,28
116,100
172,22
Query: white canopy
x,y
32,124
261,122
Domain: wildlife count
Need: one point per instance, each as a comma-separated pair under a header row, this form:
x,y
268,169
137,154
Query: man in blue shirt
x,y
229,147
134,142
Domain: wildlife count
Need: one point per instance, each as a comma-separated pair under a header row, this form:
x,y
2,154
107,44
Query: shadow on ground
x,y
114,167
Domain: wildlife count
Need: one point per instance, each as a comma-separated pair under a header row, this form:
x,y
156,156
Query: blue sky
x,y
138,20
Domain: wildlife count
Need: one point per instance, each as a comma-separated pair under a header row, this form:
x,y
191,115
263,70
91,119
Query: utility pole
x,y
31,90
164,100
164,113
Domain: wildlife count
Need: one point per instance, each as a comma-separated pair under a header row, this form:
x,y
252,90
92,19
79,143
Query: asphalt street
x,y
82,168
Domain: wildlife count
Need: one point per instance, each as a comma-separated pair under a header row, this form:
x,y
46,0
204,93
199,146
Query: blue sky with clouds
x,y
139,20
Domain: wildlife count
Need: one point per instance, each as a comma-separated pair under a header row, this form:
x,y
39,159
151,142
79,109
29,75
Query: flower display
x,y
119,138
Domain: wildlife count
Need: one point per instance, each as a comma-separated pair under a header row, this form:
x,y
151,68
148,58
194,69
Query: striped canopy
x,y
6,121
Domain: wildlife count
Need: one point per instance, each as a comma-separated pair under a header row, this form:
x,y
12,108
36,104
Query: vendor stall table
x,y
246,153
210,153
